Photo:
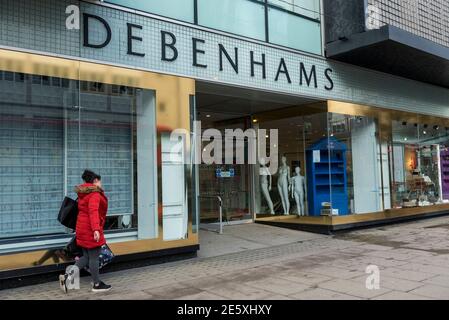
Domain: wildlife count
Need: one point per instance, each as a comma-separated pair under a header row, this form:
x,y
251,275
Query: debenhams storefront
x,y
356,147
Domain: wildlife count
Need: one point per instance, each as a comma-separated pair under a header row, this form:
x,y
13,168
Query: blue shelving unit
x,y
326,175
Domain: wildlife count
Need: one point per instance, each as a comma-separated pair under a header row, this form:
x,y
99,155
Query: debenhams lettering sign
x,y
227,57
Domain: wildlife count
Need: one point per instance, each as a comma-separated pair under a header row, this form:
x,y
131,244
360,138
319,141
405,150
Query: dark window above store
x,y
294,24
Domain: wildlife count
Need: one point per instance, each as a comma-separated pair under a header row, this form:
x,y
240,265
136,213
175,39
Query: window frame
x,y
267,6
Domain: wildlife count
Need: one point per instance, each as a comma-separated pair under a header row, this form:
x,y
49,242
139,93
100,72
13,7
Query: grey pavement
x,y
260,262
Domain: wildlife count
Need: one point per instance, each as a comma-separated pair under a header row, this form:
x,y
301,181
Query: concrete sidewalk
x,y
260,262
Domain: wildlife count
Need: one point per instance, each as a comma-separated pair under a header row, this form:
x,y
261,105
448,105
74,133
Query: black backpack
x,y
68,213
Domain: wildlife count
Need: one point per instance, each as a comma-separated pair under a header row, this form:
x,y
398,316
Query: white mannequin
x,y
298,187
265,184
284,181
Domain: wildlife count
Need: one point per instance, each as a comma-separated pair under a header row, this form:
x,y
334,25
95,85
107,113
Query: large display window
x,y
53,129
419,162
59,117
343,160
286,191
355,161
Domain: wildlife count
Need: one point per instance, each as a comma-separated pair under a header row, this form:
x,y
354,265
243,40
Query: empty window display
x,y
52,129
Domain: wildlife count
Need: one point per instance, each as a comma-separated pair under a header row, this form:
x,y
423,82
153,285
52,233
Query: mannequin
x,y
265,184
284,181
298,187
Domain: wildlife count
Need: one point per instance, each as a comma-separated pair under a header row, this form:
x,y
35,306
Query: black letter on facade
x,y
283,69
253,63
328,76
234,63
86,18
195,41
170,45
308,77
131,38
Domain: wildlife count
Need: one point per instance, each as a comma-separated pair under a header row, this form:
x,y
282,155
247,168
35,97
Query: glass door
x,y
229,180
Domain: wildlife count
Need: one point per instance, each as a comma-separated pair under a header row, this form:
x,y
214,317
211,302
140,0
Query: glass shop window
x,y
177,9
242,17
420,163
356,165
52,132
308,8
292,30
298,185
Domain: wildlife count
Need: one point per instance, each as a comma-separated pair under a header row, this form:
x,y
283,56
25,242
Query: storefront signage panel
x,y
148,43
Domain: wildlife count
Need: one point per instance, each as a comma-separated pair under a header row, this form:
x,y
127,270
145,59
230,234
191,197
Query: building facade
x,y
104,84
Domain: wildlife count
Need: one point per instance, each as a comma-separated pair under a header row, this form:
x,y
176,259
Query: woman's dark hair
x,y
89,176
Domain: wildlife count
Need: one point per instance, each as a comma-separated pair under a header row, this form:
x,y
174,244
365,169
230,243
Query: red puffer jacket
x,y
92,209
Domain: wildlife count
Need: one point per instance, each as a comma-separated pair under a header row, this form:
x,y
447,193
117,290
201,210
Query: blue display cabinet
x,y
326,176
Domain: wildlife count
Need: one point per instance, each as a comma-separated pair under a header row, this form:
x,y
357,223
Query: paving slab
x,y
322,294
278,285
396,284
432,291
442,281
352,287
407,274
400,295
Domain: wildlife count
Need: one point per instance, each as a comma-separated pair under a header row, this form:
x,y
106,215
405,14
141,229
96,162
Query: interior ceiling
x,y
409,133
226,102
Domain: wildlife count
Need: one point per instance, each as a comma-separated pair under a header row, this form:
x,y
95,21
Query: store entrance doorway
x,y
234,185
228,183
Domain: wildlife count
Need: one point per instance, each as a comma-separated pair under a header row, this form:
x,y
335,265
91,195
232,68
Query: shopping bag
x,y
106,256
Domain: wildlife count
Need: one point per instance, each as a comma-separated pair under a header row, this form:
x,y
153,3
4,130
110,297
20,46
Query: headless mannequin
x,y
284,181
265,184
298,187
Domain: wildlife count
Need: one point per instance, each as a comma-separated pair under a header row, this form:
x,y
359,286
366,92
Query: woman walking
x,y
92,209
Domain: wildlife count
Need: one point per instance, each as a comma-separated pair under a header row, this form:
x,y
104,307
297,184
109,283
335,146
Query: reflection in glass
x,y
177,9
242,17
308,8
293,31
53,129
